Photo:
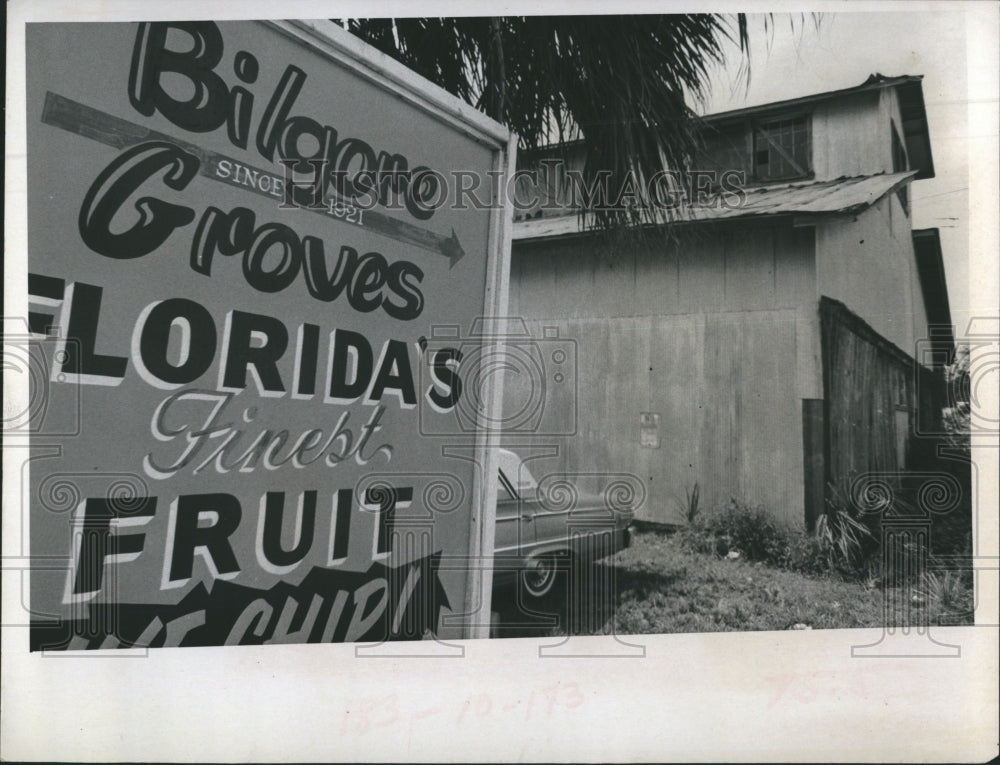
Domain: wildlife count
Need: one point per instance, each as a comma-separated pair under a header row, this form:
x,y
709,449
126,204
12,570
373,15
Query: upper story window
x,y
782,149
764,150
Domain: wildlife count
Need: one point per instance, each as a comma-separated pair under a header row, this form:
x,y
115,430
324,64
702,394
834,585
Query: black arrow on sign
x,y
74,117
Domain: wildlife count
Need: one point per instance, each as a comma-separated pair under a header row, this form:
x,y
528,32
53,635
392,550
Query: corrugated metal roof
x,y
843,195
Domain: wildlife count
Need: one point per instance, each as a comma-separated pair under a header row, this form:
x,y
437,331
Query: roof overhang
x,y
934,287
813,199
874,82
915,133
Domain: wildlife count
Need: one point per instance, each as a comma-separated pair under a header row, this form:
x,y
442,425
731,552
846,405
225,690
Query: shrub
x,y
807,554
750,531
756,536
695,537
949,597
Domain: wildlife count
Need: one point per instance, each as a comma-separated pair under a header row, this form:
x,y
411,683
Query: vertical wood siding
x,y
850,137
874,393
707,335
724,387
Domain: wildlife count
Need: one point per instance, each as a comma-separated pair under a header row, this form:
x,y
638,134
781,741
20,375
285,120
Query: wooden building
x,y
767,349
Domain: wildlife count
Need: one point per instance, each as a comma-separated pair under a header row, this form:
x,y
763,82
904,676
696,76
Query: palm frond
x,y
620,84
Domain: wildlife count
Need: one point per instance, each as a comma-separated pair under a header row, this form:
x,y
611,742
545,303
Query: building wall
x,y
731,267
889,113
717,334
851,136
867,262
919,315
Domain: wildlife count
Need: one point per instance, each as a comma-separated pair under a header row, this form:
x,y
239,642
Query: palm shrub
x,y
691,506
695,536
949,596
841,539
846,541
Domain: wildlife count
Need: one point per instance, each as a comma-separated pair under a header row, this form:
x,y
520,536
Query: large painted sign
x,y
244,242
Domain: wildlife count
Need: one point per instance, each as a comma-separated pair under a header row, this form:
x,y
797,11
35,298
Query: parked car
x,y
540,532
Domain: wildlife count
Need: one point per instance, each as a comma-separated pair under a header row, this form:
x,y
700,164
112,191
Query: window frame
x,y
759,124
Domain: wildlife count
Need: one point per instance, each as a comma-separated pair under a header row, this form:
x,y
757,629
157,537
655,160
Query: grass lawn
x,y
655,586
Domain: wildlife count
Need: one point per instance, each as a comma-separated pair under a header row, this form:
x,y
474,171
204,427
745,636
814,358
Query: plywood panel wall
x,y
724,387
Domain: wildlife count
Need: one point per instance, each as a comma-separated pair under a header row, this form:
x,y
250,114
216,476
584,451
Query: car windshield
x,y
505,489
520,481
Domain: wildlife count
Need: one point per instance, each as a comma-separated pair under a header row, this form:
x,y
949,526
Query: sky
x,y
841,52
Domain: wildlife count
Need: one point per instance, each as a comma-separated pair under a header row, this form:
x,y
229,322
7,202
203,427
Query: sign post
x,y
256,255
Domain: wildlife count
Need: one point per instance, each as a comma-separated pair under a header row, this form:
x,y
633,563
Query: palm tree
x,y
618,84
